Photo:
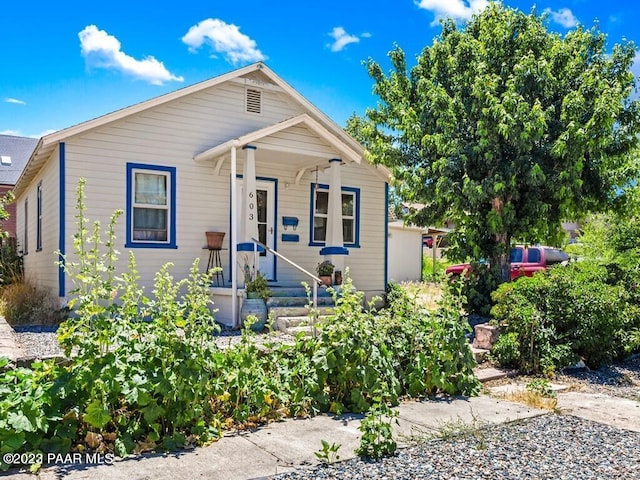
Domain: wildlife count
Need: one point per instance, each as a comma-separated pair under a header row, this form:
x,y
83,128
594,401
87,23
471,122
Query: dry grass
x,y
24,303
532,399
428,294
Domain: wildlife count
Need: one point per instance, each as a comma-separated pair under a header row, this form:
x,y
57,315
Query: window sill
x,y
167,246
323,244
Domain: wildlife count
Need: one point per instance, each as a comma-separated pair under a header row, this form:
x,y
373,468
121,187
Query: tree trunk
x,y
502,249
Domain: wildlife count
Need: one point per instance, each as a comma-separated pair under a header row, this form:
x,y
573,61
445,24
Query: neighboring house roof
x,y
48,143
14,154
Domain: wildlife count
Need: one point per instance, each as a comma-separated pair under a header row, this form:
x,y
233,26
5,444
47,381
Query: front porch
x,y
288,307
288,196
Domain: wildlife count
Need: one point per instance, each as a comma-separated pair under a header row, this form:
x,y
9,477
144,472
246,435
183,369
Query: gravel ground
x,y
40,342
618,380
548,447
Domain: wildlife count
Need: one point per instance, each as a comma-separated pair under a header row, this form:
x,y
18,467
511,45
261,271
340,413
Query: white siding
x,y
366,264
40,266
170,135
405,253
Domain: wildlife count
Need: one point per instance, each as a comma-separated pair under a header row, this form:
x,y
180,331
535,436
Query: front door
x,y
266,212
265,195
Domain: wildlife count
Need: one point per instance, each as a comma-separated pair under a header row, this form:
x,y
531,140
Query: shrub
x,y
24,303
555,317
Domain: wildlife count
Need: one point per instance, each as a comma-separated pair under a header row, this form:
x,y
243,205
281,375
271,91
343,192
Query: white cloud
x,y
17,133
224,38
455,9
104,51
15,101
564,17
342,39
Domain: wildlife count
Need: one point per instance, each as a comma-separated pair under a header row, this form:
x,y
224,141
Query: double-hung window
x,y
320,214
151,206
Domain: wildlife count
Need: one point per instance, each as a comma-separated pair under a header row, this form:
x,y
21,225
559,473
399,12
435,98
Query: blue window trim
x,y
130,243
39,217
62,220
356,191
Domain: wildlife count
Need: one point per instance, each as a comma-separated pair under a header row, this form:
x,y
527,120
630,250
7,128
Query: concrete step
x,y
284,323
307,330
296,301
296,292
480,354
298,311
489,374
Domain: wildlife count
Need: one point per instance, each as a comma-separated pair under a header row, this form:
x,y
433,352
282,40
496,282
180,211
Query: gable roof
x,y
17,150
47,144
302,119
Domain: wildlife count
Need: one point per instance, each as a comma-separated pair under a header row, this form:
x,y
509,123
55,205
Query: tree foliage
x,y
506,129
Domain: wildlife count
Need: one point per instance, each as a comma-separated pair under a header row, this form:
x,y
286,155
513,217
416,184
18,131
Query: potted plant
x,y
325,270
257,291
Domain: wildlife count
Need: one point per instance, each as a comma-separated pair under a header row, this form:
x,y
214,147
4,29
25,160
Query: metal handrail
x,y
316,280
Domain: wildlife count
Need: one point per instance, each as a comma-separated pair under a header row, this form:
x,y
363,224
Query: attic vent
x,y
5,160
253,101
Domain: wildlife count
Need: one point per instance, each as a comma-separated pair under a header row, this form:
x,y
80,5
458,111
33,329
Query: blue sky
x,y
66,62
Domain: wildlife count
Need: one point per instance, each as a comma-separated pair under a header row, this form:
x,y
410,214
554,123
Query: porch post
x,y
234,236
334,249
334,208
249,206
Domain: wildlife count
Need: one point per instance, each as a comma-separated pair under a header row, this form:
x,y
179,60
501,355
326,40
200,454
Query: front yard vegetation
x,y
588,310
145,374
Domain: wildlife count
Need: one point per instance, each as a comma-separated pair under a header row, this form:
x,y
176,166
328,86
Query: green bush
x,y
564,314
24,303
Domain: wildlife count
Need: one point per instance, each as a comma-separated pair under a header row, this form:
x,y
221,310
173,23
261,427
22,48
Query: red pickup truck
x,y
525,261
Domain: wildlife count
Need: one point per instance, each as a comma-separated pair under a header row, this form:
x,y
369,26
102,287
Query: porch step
x,y
297,301
296,325
298,311
285,323
297,292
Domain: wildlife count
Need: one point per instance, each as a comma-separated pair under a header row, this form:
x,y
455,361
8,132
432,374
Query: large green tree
x,y
506,129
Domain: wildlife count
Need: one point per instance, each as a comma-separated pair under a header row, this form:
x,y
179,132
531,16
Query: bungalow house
x,y
14,153
243,154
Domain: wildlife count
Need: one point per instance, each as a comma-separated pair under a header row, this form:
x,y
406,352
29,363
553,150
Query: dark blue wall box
x,y
249,247
334,251
290,237
290,222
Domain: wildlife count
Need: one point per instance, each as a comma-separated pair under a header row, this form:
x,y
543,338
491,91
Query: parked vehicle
x,y
525,261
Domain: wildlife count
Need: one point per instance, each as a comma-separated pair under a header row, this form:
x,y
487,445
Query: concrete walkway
x,y
283,446
290,444
8,345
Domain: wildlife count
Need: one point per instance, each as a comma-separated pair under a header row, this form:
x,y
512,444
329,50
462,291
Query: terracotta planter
x,y
326,280
214,240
